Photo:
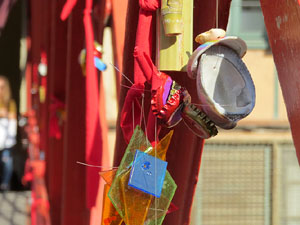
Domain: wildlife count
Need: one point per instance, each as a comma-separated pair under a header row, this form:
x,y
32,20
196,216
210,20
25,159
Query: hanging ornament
x,y
166,102
171,13
43,70
142,188
170,102
211,35
224,84
99,64
147,173
43,66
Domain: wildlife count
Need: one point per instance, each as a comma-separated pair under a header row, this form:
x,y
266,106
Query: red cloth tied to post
x,y
144,70
144,35
93,149
131,112
93,130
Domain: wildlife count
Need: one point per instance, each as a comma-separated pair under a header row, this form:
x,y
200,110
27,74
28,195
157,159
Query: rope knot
x,y
149,5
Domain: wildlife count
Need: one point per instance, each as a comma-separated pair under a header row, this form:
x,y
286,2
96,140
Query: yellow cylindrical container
x,y
171,11
174,34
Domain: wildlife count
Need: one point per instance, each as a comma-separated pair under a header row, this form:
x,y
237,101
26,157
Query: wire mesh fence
x,y
248,184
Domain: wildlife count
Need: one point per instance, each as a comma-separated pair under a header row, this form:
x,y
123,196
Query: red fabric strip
x,y
93,129
144,34
131,108
67,9
144,70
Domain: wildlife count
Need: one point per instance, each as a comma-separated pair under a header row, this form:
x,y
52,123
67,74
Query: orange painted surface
x,y
282,19
96,216
119,10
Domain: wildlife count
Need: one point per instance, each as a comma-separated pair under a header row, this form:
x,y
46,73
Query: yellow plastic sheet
x,y
136,202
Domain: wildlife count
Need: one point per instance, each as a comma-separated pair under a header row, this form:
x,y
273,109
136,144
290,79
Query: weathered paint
x,y
282,19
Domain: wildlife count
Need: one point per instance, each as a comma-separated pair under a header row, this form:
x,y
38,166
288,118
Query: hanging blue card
x,y
99,64
147,173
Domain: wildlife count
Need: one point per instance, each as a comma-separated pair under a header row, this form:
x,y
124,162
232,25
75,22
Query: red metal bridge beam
x,y
282,19
184,154
57,58
74,209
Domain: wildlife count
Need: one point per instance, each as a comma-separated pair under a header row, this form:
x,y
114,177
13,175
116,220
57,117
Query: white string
x,y
145,125
161,210
208,105
142,113
89,165
143,117
133,117
116,68
150,91
155,153
134,88
143,97
126,86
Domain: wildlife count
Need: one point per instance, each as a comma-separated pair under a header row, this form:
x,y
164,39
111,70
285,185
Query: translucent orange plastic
x,y
108,175
110,216
161,147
